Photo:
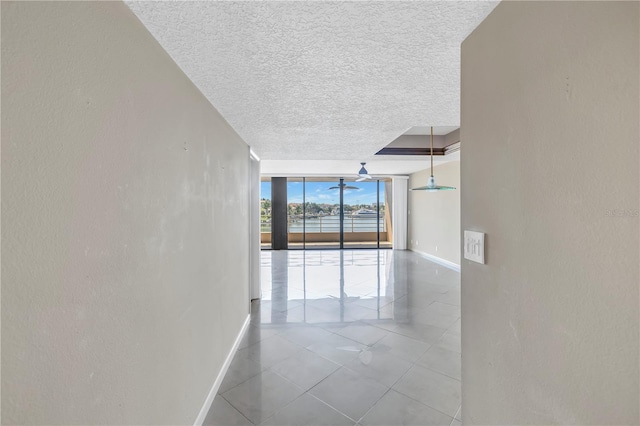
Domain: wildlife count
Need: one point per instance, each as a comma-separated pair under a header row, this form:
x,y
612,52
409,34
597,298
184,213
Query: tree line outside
x,y
314,209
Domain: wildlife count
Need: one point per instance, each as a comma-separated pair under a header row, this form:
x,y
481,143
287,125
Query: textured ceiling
x,y
426,130
320,80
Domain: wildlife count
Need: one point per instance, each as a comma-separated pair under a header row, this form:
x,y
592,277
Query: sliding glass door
x,y
321,227
313,213
265,213
364,224
331,213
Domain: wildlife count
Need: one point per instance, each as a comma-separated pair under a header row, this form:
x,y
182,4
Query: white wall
x,y
434,217
399,195
254,232
550,148
125,223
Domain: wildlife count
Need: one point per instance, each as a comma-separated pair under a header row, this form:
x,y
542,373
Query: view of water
x,y
332,224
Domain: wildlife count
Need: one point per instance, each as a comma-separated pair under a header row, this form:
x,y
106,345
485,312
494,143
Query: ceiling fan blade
x,y
344,186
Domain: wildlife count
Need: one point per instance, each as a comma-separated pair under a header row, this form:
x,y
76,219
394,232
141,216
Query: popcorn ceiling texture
x,y
320,80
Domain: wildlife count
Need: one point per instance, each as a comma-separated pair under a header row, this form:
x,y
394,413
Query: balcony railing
x,y
328,224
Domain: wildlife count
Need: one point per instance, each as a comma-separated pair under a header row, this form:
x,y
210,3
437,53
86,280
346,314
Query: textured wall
x,y
434,217
550,149
125,223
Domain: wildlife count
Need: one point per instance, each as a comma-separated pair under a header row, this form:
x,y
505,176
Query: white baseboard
x,y
216,385
438,260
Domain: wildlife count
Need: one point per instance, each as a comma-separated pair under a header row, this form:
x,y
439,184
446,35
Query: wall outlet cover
x,y
474,246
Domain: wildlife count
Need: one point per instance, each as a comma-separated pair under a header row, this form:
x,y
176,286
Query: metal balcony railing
x,y
328,224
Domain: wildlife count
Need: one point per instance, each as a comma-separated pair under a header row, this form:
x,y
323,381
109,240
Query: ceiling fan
x,y
344,186
363,174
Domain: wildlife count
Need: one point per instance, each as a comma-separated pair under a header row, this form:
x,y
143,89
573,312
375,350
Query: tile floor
x,y
366,337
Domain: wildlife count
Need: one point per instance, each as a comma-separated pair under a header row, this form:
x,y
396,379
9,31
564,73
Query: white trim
x,y
439,260
454,147
216,385
253,154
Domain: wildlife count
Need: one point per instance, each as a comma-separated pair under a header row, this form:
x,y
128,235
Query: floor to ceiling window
x,y
364,224
331,213
265,213
322,213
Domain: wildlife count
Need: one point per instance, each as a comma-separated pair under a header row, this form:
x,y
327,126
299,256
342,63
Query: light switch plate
x,y
474,246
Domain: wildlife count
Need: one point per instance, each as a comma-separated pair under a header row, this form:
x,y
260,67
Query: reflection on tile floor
x,y
368,337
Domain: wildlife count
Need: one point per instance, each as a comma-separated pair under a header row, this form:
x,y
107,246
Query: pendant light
x,y
431,184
